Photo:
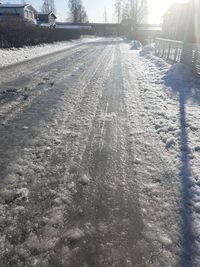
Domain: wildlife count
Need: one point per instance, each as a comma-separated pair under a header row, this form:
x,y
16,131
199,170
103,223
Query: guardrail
x,y
178,51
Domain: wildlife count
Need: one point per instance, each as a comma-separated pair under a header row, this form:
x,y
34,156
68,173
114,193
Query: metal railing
x,y
169,49
197,63
178,51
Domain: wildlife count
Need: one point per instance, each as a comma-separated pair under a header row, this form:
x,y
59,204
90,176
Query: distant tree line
x,y
48,6
18,33
77,12
131,13
134,10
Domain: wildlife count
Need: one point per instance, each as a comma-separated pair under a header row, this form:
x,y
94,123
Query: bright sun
x,y
157,9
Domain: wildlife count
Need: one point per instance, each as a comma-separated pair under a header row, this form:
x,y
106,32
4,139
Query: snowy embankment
x,y
16,55
171,95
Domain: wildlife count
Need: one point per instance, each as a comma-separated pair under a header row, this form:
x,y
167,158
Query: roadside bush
x,y
15,32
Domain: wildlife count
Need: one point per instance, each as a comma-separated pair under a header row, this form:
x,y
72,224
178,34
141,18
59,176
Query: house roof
x,y
13,5
17,6
47,14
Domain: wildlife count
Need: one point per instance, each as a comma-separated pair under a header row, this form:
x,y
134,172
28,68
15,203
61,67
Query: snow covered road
x,y
99,160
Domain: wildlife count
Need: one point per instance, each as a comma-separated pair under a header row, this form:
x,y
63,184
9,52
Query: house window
x,y
32,15
26,14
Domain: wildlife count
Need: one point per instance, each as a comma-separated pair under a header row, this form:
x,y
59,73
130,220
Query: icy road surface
x,y
99,161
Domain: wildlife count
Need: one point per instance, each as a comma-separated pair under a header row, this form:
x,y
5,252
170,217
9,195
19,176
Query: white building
x,y
24,11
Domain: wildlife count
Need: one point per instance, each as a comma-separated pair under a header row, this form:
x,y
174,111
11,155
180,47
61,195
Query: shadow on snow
x,y
184,85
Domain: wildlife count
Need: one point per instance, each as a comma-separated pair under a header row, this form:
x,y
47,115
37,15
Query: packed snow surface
x,y
100,157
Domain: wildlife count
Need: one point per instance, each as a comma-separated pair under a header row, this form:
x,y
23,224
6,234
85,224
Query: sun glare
x,y
157,9
182,1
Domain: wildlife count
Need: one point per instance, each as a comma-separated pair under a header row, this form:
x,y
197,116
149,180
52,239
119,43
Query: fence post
x,y
156,47
175,55
184,53
163,49
169,50
172,49
160,48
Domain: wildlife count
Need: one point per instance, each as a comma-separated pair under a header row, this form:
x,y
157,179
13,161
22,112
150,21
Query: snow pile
x,y
136,45
160,65
148,50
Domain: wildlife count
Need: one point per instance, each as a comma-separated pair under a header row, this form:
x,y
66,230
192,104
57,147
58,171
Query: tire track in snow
x,y
106,210
32,225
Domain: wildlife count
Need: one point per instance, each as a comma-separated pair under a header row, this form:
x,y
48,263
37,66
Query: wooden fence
x,y
177,51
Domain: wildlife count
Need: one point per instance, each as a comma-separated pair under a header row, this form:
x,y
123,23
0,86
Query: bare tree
x,y
83,18
125,11
138,11
134,12
118,10
105,16
48,6
77,12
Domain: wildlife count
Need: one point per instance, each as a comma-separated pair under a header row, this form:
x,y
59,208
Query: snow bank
x,y
17,55
171,98
148,50
136,45
180,72
154,124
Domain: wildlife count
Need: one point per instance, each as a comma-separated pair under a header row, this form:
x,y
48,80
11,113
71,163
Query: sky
x,y
95,9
